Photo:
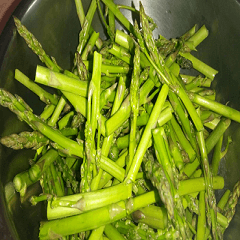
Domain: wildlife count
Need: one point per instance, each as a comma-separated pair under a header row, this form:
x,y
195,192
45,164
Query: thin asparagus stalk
x,y
223,153
219,108
199,36
47,112
32,140
229,209
91,42
81,68
59,190
182,115
107,142
113,123
183,140
223,201
115,10
201,225
84,33
109,30
198,82
43,95
106,94
64,121
97,233
215,135
153,216
67,174
21,109
111,21
112,233
59,108
174,148
211,200
143,144
178,216
197,185
36,47
42,164
217,156
134,102
109,69
81,16
200,66
43,197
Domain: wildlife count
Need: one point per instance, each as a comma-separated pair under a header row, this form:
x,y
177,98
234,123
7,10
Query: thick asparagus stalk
x,y
83,202
93,219
60,81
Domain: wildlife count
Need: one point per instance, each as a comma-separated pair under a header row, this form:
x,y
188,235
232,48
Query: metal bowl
x,y
56,26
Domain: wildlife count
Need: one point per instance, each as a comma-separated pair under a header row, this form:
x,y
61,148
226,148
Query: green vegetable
x,y
121,147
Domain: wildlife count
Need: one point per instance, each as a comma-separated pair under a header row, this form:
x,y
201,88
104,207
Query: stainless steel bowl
x,y
56,26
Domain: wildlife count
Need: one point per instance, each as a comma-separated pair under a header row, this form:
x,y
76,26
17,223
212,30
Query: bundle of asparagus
x,y
122,147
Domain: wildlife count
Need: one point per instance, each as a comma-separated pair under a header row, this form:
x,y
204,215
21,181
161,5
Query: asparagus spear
x,y
134,102
229,209
36,47
32,140
43,95
143,144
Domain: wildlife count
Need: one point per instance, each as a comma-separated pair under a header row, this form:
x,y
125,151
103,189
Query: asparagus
x,y
229,209
67,174
32,140
106,215
211,200
36,47
61,81
81,68
64,121
223,201
112,233
43,95
84,202
81,16
153,216
143,144
163,174
134,102
219,108
97,233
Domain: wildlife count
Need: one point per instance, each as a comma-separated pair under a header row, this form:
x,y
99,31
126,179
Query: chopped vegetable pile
x,y
122,146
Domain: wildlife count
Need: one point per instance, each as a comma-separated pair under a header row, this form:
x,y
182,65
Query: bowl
x,y
55,24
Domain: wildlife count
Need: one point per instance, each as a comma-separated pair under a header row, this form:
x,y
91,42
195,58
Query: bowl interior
x,y
55,24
